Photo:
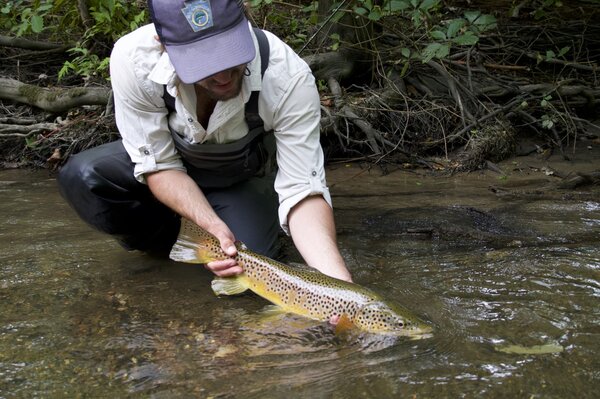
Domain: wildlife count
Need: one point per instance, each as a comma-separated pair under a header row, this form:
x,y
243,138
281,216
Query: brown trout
x,y
307,293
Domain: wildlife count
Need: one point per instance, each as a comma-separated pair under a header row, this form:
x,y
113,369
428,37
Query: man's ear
x,y
161,45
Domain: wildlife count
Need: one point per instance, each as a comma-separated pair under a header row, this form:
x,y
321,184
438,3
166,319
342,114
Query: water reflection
x,y
505,285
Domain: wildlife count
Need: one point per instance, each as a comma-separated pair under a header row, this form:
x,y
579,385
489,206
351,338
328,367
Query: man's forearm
x,y
313,230
178,191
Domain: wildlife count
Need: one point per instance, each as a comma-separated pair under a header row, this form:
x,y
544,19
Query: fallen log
x,y
52,99
19,42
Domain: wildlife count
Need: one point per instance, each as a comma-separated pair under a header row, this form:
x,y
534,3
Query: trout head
x,y
383,318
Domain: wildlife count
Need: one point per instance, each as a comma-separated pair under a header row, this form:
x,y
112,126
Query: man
x,y
183,89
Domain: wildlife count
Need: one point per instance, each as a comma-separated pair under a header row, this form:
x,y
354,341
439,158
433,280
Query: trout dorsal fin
x,y
195,245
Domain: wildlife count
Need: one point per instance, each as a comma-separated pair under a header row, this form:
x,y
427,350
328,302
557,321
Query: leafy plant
x,y
108,20
21,18
460,31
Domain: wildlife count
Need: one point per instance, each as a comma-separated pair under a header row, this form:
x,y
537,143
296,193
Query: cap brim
x,y
197,61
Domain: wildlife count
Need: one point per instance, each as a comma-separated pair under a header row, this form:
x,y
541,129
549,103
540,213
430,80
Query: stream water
x,y
511,284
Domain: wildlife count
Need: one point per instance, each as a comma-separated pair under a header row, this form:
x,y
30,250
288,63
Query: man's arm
x,y
178,191
313,230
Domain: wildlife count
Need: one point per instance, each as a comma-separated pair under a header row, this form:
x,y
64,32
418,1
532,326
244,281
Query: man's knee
x,y
75,175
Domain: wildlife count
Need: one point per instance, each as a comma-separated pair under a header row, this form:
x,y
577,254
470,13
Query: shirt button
x,y
190,120
146,152
314,173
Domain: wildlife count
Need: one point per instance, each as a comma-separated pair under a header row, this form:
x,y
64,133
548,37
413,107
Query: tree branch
x,y
53,100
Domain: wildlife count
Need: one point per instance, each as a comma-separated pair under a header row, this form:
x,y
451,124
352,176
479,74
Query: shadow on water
x,y
511,288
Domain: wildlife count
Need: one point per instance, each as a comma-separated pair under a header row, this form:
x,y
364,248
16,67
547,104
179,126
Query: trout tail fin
x,y
195,245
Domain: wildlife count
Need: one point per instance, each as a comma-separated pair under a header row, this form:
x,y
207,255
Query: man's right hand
x,y
226,267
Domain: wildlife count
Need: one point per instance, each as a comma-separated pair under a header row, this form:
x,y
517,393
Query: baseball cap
x,y
202,37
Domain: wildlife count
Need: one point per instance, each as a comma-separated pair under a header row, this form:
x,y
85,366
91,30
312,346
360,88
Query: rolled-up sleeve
x,y
140,113
299,154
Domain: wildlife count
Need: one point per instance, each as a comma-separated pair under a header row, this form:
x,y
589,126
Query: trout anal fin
x,y
228,285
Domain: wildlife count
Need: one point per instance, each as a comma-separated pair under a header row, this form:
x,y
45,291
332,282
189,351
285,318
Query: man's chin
x,y
224,95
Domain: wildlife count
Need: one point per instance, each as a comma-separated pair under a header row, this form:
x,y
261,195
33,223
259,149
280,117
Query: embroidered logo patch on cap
x,y
198,13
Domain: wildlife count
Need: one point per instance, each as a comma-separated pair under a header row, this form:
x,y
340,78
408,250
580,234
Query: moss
x,y
31,93
76,92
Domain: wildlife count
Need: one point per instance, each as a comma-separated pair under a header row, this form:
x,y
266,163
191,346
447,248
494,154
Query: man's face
x,y
224,85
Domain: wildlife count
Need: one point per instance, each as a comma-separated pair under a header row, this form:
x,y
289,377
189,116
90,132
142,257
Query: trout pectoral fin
x,y
344,324
228,285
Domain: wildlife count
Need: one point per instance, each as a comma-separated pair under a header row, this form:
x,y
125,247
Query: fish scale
x,y
307,293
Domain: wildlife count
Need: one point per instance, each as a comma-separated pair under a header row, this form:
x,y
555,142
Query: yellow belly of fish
x,y
292,304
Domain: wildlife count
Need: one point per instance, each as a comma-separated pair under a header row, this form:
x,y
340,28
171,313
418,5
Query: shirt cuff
x,y
286,205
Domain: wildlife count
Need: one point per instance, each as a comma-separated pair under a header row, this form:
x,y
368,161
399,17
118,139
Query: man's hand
x,y
225,267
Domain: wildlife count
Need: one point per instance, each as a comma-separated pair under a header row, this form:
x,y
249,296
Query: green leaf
x,y
437,50
550,55
471,16
398,5
485,22
547,124
405,52
426,5
563,51
375,14
361,11
438,35
45,7
455,26
468,39
37,23
443,51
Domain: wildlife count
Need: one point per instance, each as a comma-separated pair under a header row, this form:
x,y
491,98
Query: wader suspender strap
x,y
252,117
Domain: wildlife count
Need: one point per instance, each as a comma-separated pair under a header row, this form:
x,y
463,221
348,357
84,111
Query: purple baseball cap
x,y
202,37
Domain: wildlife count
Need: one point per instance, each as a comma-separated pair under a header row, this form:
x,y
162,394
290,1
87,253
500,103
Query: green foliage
x,y
463,31
85,63
293,28
60,19
542,10
418,10
111,20
25,17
